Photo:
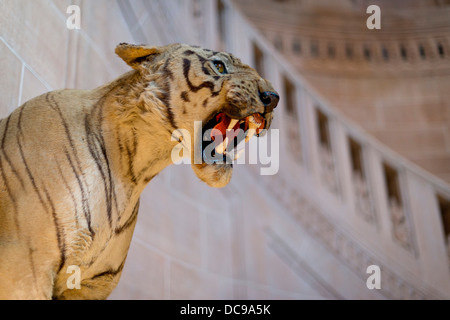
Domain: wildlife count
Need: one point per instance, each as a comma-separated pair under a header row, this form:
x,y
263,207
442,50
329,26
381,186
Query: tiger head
x,y
199,90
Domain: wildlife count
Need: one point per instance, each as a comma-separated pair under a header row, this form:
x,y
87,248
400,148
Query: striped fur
x,y
73,165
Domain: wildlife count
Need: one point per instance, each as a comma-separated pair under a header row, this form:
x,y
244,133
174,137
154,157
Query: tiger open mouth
x,y
223,137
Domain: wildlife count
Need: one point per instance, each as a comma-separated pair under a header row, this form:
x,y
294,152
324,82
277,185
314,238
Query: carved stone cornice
x,y
311,220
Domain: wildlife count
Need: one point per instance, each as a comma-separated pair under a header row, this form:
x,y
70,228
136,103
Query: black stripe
x,y
96,146
20,136
66,128
185,96
131,155
112,195
144,170
165,98
75,204
110,272
125,149
150,178
95,153
84,197
204,61
97,149
207,84
13,169
105,244
33,268
59,231
4,132
130,220
205,103
135,143
11,196
121,147
85,202
167,71
188,53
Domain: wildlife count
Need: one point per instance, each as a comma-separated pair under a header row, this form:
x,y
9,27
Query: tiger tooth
x,y
232,123
238,154
253,120
250,133
252,127
222,147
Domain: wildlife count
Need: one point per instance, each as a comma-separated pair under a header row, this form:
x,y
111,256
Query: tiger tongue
x,y
224,124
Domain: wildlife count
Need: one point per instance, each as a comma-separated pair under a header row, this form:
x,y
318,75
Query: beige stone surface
x,y
11,81
31,86
37,26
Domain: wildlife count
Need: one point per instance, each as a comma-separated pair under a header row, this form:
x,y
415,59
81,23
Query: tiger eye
x,y
220,67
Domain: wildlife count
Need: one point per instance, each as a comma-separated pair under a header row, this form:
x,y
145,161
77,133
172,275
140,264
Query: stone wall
x,y
295,235
190,241
392,82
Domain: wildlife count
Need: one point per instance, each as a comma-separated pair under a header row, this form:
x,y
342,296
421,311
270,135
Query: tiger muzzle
x,y
270,100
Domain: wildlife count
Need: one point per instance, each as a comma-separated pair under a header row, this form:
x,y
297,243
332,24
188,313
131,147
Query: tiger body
x,y
64,210
73,164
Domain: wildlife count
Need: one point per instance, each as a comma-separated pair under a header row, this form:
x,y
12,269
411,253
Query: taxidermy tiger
x,y
73,163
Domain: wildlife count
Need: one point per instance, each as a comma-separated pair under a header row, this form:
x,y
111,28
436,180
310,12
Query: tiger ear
x,y
134,55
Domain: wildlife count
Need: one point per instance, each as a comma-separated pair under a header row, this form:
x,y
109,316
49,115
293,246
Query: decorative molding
x,y
363,201
358,57
294,145
310,218
400,229
328,170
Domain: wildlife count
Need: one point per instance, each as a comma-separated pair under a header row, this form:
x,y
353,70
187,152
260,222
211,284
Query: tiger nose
x,y
270,100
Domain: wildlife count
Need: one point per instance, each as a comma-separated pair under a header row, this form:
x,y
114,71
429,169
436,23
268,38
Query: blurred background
x,y
364,122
